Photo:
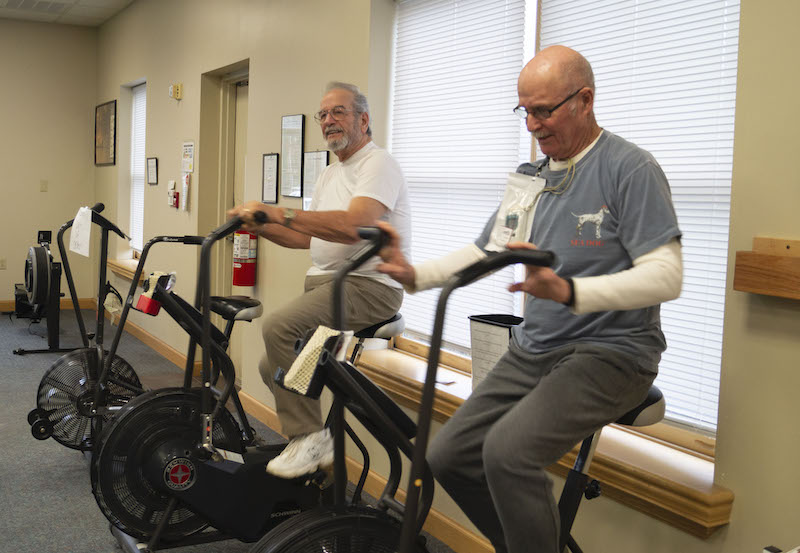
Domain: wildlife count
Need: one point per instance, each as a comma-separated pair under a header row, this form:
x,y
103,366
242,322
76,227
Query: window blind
x,y
138,163
454,134
666,80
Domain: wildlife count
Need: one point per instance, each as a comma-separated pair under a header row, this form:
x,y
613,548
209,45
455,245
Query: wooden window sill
x,y
673,486
124,268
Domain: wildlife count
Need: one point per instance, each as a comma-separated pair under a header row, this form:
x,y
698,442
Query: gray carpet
x,y
46,503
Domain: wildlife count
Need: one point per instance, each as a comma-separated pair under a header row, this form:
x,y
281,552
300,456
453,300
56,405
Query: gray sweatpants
x,y
367,302
529,411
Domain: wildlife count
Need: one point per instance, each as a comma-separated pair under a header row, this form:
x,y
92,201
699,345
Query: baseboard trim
x,y
7,306
440,526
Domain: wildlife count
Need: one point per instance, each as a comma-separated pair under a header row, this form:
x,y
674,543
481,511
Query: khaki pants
x,y
367,302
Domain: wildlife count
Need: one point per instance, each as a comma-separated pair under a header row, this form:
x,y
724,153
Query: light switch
x,y
176,91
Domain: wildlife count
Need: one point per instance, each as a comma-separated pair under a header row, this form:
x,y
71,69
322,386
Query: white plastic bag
x,y
514,219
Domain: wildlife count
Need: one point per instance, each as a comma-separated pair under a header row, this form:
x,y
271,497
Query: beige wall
x,y
291,56
47,99
289,65
759,434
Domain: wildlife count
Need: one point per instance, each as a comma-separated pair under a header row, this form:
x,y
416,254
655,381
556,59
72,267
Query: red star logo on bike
x,y
179,474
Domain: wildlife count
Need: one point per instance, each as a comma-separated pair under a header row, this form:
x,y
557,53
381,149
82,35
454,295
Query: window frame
x,y
136,251
677,435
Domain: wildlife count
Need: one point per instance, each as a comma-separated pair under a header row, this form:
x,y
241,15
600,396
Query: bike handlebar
x,y
495,261
492,262
376,239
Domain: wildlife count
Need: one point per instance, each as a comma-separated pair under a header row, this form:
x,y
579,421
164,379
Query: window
x,y
455,135
666,78
138,163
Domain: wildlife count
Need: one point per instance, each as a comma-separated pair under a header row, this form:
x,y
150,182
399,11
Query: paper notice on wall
x,y
80,237
187,157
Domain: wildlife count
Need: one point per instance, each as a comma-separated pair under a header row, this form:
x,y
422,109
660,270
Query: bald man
x,y
589,346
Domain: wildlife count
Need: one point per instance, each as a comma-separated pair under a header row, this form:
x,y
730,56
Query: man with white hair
x,y
363,187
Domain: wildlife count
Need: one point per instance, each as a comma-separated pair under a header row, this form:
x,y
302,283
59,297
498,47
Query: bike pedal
x,y
321,478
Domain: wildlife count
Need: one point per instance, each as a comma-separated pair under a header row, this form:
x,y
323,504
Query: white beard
x,y
338,144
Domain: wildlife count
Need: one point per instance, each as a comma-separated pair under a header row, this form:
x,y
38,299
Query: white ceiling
x,y
90,13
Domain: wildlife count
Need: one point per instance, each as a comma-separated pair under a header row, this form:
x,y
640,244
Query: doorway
x,y
223,141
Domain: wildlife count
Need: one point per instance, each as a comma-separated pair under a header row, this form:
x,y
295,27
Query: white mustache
x,y
331,130
539,134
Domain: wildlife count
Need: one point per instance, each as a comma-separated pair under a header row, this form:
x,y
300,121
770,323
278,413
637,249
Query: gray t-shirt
x,y
617,208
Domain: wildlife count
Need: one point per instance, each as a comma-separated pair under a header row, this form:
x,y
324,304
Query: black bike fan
x,y
66,394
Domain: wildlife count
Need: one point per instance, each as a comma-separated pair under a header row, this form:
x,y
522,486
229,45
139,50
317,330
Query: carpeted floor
x,y
46,503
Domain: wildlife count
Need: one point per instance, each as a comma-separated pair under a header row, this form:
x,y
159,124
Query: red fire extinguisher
x,y
245,246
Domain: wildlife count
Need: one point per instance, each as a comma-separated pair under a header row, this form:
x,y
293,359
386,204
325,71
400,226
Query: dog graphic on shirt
x,y
594,218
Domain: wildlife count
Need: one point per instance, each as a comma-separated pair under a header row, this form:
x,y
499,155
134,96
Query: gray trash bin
x,y
489,336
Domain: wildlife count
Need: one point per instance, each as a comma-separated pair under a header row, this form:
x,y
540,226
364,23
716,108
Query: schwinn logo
x,y
179,474
290,512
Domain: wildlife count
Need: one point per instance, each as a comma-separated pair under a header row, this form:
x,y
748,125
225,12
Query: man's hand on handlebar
x,y
541,282
247,212
395,263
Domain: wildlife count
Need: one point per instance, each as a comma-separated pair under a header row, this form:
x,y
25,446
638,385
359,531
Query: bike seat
x,y
650,411
386,329
236,308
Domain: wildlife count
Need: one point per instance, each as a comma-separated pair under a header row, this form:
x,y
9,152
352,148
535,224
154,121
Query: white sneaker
x,y
303,455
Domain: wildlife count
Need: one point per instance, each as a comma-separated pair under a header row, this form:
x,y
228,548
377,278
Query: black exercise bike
x,y
86,387
174,461
389,526
68,385
175,468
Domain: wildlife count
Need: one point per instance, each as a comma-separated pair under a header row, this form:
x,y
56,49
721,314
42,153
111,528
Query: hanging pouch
x,y
514,219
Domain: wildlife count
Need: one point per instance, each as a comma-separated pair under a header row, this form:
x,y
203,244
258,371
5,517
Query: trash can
x,y
489,336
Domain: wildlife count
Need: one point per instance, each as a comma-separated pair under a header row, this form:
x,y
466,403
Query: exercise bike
x,y
578,484
174,461
85,388
41,293
350,525
391,526
67,386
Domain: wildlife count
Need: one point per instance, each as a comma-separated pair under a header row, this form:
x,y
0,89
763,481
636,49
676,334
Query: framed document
x,y
292,132
152,170
269,178
313,165
105,133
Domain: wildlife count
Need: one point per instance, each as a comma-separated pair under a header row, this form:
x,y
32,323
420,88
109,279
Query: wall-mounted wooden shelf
x,y
771,268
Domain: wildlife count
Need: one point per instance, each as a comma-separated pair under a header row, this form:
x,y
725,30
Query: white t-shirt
x,y
370,173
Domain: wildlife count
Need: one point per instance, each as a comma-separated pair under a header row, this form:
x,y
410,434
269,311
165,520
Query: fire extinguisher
x,y
245,246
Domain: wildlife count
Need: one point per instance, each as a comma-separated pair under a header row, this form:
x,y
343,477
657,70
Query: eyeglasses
x,y
541,113
337,113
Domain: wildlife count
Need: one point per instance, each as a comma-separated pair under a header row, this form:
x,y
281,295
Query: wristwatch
x,y
288,216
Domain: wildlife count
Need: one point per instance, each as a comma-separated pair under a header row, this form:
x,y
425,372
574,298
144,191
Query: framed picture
x,y
313,165
105,133
152,170
269,178
292,132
